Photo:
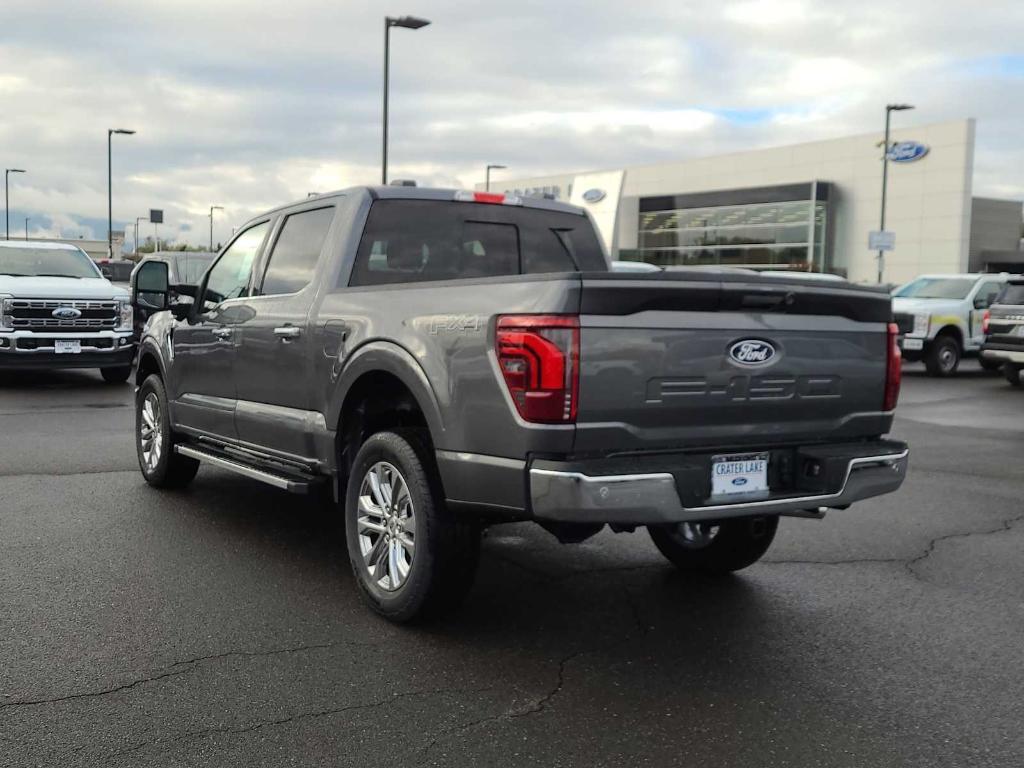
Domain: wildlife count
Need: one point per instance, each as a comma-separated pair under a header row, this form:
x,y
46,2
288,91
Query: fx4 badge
x,y
454,324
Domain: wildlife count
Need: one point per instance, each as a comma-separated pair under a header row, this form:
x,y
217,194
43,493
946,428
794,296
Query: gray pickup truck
x,y
435,361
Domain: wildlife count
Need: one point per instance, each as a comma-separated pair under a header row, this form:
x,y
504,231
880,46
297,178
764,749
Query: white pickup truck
x,y
58,311
940,318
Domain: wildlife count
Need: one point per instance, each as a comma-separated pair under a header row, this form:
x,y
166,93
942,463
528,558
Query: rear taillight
x,y
493,198
893,368
539,358
985,320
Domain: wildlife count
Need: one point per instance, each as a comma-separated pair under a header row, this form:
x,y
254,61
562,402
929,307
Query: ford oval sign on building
x,y
907,151
594,195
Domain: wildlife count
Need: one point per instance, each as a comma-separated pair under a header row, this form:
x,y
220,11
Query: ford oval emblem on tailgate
x,y
751,352
66,313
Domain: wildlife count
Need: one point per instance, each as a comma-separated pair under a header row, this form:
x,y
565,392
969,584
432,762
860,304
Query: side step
x,y
291,484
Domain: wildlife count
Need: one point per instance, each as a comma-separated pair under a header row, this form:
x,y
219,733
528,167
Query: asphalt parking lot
x,y
220,625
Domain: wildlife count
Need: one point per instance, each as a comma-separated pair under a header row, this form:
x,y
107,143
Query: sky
x,y
249,105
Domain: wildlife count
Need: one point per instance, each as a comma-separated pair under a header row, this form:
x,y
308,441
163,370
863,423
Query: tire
x,y
165,469
1012,373
428,573
116,375
943,356
992,366
715,548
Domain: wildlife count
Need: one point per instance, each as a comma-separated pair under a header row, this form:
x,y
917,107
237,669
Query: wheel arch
x,y
384,385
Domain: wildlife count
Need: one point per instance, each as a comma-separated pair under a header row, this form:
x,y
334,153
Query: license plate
x,y
913,343
67,346
739,473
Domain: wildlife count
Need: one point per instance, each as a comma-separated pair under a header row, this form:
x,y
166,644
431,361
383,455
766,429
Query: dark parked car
x,y
1004,331
441,360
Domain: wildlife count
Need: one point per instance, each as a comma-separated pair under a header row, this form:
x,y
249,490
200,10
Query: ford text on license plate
x,y
67,346
739,473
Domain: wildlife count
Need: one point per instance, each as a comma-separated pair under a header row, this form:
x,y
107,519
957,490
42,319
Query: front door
x,y
274,363
204,346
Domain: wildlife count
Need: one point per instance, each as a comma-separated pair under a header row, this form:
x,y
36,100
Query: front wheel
x,y
1012,373
943,357
410,555
116,375
154,441
715,547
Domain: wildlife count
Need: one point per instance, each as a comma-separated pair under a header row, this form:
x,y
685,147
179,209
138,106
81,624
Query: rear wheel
x,y
1012,373
116,375
154,440
943,356
410,555
715,547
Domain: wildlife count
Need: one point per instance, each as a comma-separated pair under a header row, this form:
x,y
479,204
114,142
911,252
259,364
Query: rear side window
x,y
1012,293
407,241
296,252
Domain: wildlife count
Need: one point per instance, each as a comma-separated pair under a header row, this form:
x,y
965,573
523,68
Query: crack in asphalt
x,y
909,563
83,473
171,671
298,716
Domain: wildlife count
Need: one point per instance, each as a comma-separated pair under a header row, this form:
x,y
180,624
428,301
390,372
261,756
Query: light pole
x,y
212,209
7,200
110,190
487,175
26,227
406,22
137,220
889,109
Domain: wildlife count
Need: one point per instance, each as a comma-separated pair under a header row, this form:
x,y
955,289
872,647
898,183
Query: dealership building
x,y
806,206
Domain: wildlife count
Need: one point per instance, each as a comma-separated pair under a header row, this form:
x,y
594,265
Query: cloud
x,y
249,107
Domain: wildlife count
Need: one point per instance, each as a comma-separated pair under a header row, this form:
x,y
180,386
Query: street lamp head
x,y
409,22
898,107
15,170
216,208
125,131
497,167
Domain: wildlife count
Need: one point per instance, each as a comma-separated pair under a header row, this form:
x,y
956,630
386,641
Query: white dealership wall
x,y
929,200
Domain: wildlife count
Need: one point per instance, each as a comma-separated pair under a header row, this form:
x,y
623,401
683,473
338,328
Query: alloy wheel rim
x,y
385,525
150,432
697,535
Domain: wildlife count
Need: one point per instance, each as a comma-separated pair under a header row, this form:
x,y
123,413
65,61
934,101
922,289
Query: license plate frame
x,y
67,346
739,474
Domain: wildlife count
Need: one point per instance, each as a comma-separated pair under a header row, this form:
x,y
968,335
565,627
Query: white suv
x,y
58,311
940,318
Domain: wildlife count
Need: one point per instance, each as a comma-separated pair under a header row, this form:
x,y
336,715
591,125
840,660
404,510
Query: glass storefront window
x,y
775,234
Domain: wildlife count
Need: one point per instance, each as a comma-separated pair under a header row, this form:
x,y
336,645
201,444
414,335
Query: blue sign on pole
x,y
907,151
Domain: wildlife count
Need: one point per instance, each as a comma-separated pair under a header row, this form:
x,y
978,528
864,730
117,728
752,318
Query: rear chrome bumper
x,y
652,499
1005,355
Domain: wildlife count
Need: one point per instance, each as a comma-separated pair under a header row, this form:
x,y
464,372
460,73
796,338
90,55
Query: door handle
x,y
287,332
222,333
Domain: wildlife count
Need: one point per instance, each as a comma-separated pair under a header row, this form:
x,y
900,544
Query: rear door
x,y
687,360
984,294
203,385
273,370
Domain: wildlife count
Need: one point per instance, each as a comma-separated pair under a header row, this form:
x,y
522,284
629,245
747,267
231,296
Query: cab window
x,y
229,278
297,251
987,294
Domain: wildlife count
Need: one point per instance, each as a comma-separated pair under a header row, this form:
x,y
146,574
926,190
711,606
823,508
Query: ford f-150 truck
x,y
58,311
441,360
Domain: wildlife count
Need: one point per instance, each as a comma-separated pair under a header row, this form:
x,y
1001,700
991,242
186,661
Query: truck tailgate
x,y
697,360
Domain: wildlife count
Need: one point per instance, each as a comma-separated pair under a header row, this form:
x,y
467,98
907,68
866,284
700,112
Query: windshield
x,y
46,262
937,288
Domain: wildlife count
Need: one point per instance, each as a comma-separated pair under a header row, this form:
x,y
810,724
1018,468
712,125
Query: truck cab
x,y
940,318
57,310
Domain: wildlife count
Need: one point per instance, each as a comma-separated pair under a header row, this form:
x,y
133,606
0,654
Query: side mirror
x,y
151,286
981,302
